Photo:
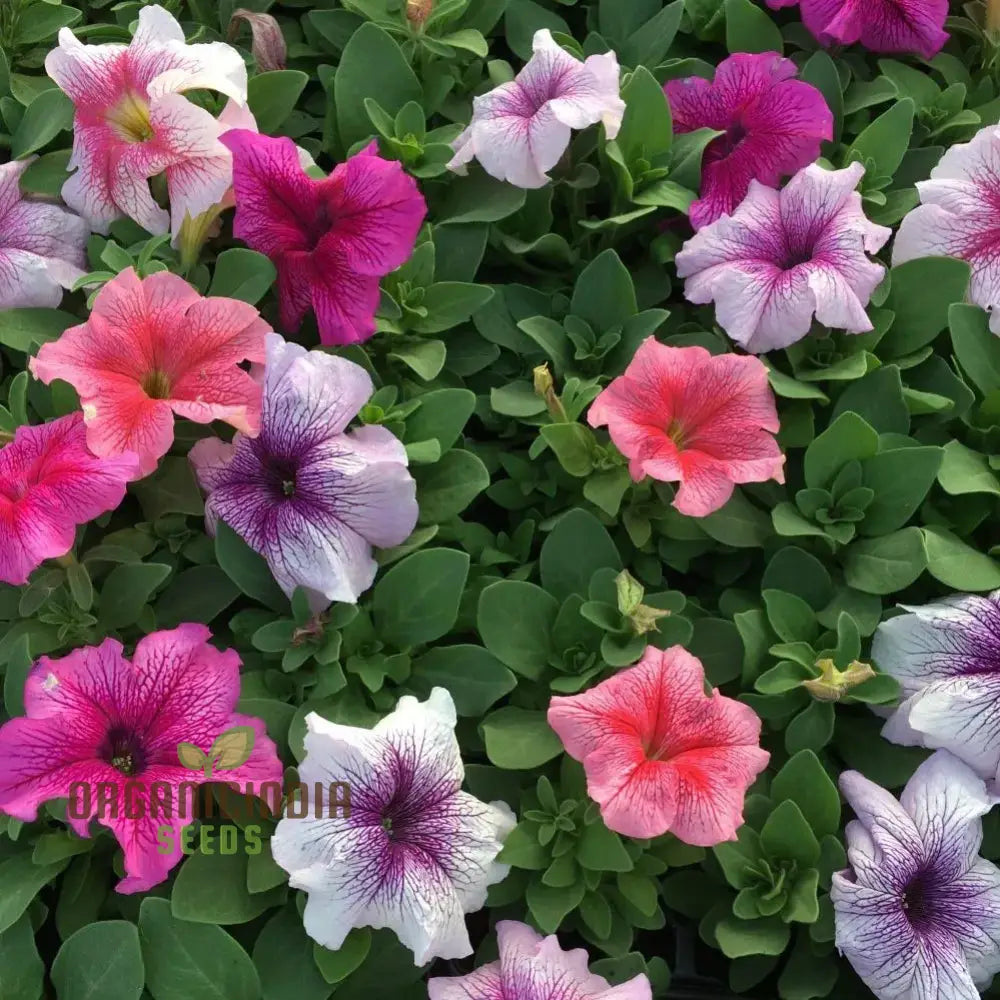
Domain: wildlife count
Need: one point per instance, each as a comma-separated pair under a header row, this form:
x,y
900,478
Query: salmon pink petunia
x,y
785,257
132,122
773,126
660,755
153,348
104,731
331,240
680,413
50,483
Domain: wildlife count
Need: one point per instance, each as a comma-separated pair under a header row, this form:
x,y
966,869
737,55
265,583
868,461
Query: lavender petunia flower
x,y
415,852
310,498
946,657
918,911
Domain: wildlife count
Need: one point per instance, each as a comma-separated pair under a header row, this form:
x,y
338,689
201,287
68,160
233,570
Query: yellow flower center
x,y
676,434
156,385
130,119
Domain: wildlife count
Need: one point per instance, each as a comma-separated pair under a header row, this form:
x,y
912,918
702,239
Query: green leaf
x,y
336,966
738,523
646,131
601,850
447,487
888,564
442,415
575,549
449,303
45,21
475,678
100,962
22,971
23,329
47,174
550,905
212,889
811,729
283,956
425,357
886,140
519,739
958,565
22,880
976,347
50,113
847,438
603,294
787,836
650,42
791,618
750,29
247,569
171,489
574,445
901,478
479,198
515,620
965,471
920,294
878,399
804,781
738,938
127,588
803,905
242,274
196,594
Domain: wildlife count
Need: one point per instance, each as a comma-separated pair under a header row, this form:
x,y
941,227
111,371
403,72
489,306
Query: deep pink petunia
x,y
915,26
784,257
95,717
50,483
132,122
680,413
331,239
153,348
660,755
774,125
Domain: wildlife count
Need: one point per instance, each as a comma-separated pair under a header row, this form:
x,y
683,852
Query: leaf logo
x,y
230,749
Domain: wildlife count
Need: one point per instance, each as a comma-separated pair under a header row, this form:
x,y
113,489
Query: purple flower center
x,y
124,751
918,900
735,134
281,475
317,225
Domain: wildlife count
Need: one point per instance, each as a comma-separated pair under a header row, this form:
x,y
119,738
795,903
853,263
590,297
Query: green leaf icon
x,y
232,748
191,757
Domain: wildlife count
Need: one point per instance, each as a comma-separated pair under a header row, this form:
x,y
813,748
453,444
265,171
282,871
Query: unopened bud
x,y
417,11
545,388
834,684
630,592
269,48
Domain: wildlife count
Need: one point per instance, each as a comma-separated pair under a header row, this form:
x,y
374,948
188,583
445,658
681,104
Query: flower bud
x,y
417,11
545,388
269,48
834,684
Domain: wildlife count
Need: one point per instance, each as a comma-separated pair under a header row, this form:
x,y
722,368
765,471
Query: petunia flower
x,y
152,348
773,125
331,239
946,657
958,216
414,853
307,496
531,967
132,122
520,130
680,413
917,913
42,246
103,731
659,754
906,26
784,257
50,483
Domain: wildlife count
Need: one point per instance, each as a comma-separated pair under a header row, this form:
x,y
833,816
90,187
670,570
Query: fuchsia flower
x,y
153,348
784,257
332,239
678,413
774,125
41,245
132,122
95,718
660,755
531,967
520,129
50,483
880,25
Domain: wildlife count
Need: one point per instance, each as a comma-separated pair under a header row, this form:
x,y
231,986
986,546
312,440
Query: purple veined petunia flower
x,y
773,124
96,719
946,657
531,967
520,130
958,217
415,853
310,498
331,240
917,913
903,26
785,257
42,246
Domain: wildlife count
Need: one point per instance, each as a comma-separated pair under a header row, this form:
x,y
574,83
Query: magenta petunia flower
x,y
332,239
104,731
42,246
310,498
153,348
531,967
774,125
50,483
959,217
682,414
880,25
521,129
132,122
785,257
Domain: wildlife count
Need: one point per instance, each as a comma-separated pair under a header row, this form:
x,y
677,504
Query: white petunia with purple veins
x,y
415,853
917,913
520,130
946,657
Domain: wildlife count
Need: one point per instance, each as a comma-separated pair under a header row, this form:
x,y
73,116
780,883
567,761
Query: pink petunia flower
x,y
331,239
784,257
680,413
660,755
915,26
153,348
521,129
50,483
958,217
104,732
132,122
41,245
774,125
